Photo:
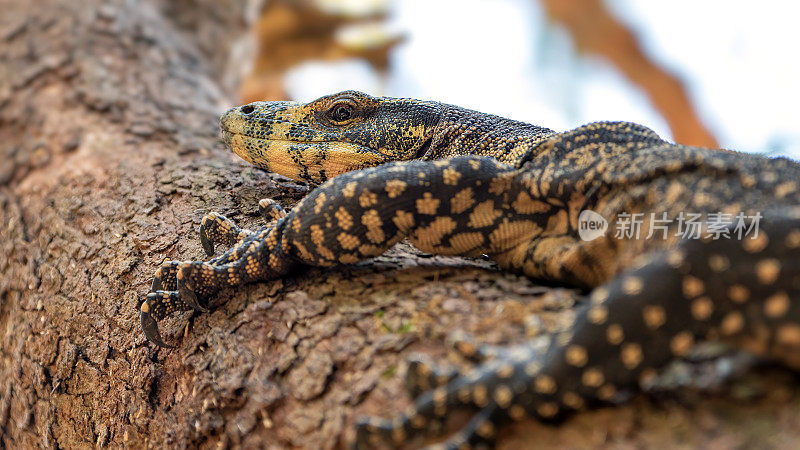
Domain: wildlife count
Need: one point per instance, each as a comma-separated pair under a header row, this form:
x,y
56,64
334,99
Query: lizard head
x,y
332,135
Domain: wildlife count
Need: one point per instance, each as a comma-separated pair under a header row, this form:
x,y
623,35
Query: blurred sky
x,y
739,61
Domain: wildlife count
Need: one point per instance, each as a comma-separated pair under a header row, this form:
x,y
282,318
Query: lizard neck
x,y
465,132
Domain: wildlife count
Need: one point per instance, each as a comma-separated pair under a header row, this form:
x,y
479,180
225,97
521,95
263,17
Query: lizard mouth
x,y
304,160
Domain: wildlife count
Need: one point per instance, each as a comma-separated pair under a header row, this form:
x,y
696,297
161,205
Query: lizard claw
x,y
189,296
150,327
205,241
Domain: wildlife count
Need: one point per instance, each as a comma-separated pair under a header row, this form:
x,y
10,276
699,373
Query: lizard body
x,y
459,182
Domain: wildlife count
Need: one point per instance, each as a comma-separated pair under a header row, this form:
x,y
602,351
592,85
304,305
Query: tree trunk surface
x,y
109,158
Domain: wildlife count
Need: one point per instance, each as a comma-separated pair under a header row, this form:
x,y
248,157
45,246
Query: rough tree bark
x,y
108,160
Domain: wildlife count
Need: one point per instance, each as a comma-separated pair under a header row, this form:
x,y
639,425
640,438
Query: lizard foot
x,y
157,306
218,229
270,209
491,388
423,375
173,290
185,285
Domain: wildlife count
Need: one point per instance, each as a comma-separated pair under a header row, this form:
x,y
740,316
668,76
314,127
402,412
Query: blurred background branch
x,y
596,31
291,32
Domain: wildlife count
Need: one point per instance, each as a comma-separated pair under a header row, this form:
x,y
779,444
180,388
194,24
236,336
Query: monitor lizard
x,y
461,182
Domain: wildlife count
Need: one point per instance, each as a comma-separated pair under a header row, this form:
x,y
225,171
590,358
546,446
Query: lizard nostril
x,y
247,109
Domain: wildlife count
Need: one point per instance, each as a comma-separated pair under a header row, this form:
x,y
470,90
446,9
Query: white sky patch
x,y
474,54
313,79
739,60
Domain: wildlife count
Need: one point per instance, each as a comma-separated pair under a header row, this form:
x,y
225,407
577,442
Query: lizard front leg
x,y
458,206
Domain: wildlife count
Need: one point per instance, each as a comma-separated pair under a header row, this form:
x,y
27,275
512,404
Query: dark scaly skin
x,y
467,183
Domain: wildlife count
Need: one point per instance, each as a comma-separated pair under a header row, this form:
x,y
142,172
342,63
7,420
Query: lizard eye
x,y
341,112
